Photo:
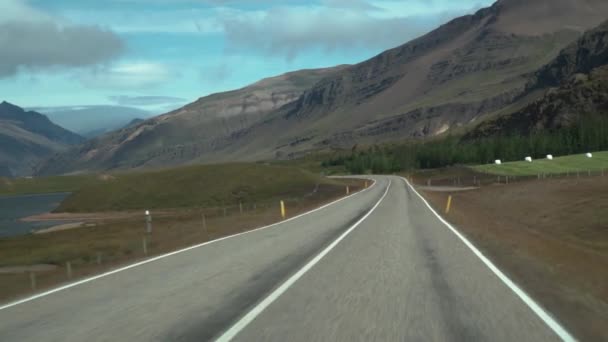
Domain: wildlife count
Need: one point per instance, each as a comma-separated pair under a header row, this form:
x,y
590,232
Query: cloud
x,y
352,4
125,100
128,76
30,39
289,31
334,24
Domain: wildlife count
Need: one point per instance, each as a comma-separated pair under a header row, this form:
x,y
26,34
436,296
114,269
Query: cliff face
x,y
574,84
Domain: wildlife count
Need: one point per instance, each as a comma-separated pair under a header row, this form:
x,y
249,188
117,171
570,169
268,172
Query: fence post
x,y
448,204
145,245
68,267
33,280
148,222
347,190
283,213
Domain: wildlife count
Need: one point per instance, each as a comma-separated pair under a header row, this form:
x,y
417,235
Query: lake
x,y
13,208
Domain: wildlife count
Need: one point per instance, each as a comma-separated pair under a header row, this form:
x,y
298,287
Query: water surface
x,y
13,208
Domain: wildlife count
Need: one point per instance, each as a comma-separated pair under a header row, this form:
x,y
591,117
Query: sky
x,y
157,55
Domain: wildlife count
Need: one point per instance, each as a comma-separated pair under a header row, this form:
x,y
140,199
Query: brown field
x,y
110,240
549,235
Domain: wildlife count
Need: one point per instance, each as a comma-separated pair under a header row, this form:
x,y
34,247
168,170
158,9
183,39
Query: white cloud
x,y
31,39
148,100
136,75
195,20
336,24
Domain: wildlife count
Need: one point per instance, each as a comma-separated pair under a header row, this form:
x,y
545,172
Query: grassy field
x,y
23,186
559,165
194,186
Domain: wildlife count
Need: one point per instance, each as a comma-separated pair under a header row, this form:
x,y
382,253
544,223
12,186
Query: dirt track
x,y
551,236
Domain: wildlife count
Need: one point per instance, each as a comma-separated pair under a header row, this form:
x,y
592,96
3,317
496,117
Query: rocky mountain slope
x,y
471,68
28,137
190,132
575,84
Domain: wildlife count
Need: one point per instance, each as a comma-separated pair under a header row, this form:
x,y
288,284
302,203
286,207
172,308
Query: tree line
x,y
588,134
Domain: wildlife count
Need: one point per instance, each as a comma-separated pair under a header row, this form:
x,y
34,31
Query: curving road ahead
x,y
376,266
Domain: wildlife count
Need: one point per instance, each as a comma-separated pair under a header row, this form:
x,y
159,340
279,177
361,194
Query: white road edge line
x,y
251,315
90,279
535,307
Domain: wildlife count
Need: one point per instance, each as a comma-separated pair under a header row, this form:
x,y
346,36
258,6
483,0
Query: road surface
x,y
376,266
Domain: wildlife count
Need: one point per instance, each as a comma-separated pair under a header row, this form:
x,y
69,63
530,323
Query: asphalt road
x,y
377,266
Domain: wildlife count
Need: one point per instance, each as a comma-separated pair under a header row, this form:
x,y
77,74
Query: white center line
x,y
251,315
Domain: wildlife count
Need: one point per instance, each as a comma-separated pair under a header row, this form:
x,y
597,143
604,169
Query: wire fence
x,y
476,179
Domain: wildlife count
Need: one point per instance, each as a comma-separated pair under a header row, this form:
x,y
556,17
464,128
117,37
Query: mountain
x,y
188,133
469,70
27,137
92,121
575,84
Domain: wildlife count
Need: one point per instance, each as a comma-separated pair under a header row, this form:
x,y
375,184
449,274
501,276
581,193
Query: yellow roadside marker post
x,y
448,205
347,190
283,210
366,184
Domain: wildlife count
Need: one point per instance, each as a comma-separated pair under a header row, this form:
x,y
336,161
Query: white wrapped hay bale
x,y
529,159
549,156
589,155
497,162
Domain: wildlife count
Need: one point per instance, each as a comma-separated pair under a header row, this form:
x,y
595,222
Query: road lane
x,y
401,276
191,296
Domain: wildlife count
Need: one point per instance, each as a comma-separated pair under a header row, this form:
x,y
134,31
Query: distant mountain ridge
x,y
92,121
186,134
472,68
27,137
